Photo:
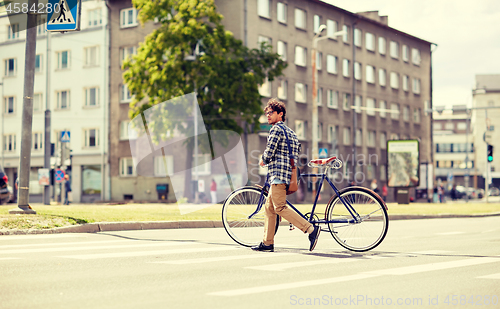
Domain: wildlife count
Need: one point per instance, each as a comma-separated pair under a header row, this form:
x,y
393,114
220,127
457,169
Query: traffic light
x,y
490,153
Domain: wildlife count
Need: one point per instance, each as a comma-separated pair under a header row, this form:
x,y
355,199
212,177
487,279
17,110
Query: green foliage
x,y
227,75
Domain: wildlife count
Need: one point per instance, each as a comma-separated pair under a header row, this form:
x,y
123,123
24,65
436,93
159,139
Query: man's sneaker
x,y
263,247
313,237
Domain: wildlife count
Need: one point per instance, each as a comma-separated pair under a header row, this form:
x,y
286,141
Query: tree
x,y
226,74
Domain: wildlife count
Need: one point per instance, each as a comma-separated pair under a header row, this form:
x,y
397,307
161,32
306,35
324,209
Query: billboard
x,y
403,157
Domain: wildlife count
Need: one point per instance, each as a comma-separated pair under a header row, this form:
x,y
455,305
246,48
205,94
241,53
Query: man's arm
x,y
272,145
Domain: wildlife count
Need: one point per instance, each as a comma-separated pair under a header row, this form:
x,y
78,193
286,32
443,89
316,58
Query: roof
x,y
488,81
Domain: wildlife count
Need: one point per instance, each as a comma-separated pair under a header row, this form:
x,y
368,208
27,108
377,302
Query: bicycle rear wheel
x,y
371,225
242,218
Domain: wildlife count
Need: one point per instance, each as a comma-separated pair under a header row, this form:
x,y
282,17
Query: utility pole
x,y
47,144
27,116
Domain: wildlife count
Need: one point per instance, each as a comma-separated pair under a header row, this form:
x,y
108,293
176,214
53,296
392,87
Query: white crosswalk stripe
x,y
227,258
492,276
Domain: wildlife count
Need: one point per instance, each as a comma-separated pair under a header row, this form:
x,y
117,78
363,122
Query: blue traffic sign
x,y
63,15
323,153
59,174
65,136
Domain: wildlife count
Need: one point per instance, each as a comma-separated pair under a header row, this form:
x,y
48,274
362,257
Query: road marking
x,y
144,253
84,248
63,244
291,285
364,275
9,258
226,258
492,276
41,236
450,233
285,266
431,252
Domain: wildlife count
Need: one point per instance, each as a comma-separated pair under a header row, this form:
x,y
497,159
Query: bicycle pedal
x,y
291,227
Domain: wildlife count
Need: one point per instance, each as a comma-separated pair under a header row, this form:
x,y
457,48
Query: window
x,y
371,139
332,134
10,67
13,32
460,126
63,60
282,89
394,136
357,71
38,63
63,99
282,11
406,82
265,39
370,106
37,141
382,78
383,171
357,37
331,28
92,96
265,89
394,80
382,45
331,64
346,101
347,31
406,113
125,95
264,8
383,107
160,163
127,167
394,49
91,138
300,93
370,74
126,52
415,56
282,50
95,17
369,171
406,53
332,98
416,85
316,23
125,134
41,27
9,105
300,56
300,129
370,41
319,60
358,102
9,142
204,165
347,136
319,96
37,102
91,56
383,140
300,18
345,68
128,18
395,111
449,126
416,118
320,132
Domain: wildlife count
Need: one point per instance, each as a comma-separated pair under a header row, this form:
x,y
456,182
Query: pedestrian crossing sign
x,y
65,136
64,15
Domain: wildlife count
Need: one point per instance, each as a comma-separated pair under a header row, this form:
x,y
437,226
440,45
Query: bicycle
x,y
356,217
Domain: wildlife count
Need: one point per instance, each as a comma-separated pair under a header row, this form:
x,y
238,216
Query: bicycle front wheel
x,y
365,226
243,215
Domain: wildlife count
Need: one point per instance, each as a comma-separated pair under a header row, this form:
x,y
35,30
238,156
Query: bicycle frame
x,y
355,216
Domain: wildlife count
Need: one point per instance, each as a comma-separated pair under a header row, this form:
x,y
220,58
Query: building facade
x,y
76,97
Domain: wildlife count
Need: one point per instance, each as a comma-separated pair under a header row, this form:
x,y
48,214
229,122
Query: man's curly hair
x,y
276,105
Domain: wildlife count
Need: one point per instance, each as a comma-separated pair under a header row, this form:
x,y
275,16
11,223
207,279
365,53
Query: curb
x,y
162,225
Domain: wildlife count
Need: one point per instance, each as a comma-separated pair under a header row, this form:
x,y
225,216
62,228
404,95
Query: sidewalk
x,y
146,225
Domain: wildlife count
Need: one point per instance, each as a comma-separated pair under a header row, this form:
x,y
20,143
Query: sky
x,y
467,33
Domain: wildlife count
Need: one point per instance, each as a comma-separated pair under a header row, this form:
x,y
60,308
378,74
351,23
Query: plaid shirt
x,y
276,154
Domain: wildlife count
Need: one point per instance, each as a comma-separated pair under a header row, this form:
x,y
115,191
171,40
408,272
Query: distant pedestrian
x,y
67,189
441,193
453,192
213,191
374,186
384,192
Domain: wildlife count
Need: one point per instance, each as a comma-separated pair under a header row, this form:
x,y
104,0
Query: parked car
x,y
5,193
493,191
480,193
460,192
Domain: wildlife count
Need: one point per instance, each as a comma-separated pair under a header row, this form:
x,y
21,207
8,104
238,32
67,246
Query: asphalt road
x,y
433,263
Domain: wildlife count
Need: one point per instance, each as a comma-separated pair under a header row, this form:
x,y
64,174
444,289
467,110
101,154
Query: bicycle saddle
x,y
322,161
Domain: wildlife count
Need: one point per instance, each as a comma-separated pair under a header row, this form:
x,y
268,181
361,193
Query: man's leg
x,y
270,219
279,201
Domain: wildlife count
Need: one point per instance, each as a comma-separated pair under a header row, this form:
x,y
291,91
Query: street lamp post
x,y
316,39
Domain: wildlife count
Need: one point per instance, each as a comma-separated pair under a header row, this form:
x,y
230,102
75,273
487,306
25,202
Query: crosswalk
x,y
191,253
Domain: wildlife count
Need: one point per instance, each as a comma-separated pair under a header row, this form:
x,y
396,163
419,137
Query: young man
x,y
279,170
